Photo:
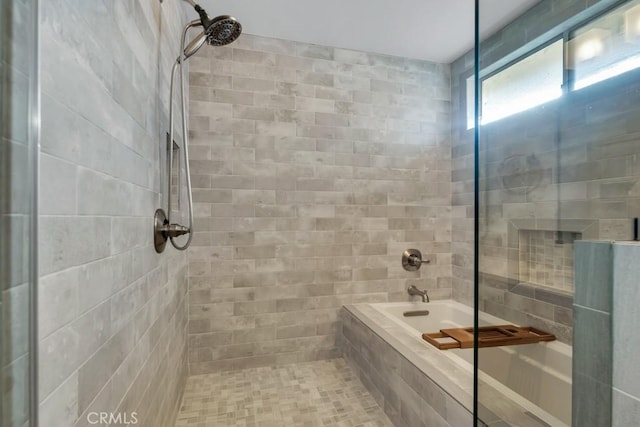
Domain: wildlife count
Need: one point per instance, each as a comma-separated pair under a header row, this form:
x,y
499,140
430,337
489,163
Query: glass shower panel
x,y
18,165
558,183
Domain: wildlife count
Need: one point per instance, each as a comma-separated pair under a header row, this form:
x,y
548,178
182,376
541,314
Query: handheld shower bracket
x,y
163,231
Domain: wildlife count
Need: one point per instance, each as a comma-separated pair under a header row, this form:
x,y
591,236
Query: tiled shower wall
x,y
582,157
113,313
313,169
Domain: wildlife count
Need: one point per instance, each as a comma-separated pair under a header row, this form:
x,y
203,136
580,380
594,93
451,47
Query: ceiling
x,y
434,30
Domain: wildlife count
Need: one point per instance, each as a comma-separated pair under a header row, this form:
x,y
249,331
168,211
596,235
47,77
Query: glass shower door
x,y
559,187
18,172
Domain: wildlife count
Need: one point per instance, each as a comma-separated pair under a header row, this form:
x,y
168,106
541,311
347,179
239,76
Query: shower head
x,y
223,30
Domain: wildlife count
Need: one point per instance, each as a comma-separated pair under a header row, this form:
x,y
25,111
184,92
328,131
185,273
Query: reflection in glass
x,y
606,47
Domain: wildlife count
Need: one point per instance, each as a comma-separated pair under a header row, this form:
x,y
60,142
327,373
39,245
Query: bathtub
x,y
521,385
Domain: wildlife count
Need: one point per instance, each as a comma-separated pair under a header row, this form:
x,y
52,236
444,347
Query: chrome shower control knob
x,y
412,260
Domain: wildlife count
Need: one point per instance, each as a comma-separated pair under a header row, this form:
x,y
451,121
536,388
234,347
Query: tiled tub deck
x,y
418,385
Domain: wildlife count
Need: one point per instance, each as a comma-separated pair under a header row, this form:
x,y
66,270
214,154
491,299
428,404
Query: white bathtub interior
x,y
536,376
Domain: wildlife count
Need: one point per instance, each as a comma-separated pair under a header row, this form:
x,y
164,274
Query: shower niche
x,y
546,258
542,252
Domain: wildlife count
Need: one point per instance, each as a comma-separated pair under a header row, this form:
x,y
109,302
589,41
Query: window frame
x,y
568,75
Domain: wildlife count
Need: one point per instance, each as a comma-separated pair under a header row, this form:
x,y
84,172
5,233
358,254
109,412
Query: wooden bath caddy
x,y
488,336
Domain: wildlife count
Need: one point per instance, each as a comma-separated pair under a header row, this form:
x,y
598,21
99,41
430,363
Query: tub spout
x,y
415,291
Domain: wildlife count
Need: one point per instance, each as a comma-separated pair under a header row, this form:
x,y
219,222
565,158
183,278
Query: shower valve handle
x,y
412,260
415,260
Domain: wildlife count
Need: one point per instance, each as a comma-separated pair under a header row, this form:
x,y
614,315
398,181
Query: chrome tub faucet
x,y
415,291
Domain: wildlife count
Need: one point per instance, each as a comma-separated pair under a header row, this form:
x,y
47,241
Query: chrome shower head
x,y
223,30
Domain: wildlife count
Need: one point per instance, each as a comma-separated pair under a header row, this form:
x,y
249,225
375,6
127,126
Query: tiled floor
x,y
324,393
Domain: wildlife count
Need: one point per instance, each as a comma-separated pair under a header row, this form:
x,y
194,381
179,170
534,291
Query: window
x,y
605,47
471,105
531,81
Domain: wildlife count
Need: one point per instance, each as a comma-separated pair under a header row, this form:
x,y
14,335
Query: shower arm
x,y
185,137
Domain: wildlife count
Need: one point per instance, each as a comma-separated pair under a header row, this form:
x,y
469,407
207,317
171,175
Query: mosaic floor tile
x,y
323,393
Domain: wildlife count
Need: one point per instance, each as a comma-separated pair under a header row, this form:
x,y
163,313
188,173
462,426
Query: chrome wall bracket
x,y
163,231
159,237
